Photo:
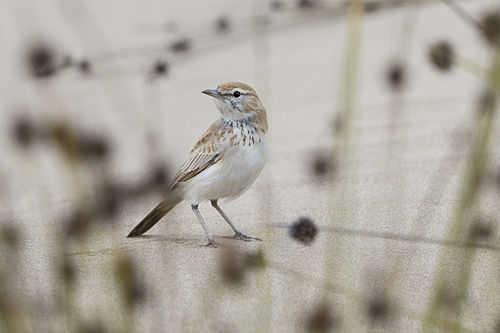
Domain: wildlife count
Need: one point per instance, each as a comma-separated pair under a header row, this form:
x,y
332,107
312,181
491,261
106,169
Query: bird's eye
x,y
236,94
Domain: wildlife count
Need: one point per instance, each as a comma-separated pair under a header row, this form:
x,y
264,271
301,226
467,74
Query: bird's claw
x,y
243,237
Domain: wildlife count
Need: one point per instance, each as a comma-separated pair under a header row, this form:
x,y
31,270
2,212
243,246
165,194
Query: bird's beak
x,y
212,92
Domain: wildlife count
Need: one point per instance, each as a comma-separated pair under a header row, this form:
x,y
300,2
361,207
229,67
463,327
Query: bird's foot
x,y
243,237
211,243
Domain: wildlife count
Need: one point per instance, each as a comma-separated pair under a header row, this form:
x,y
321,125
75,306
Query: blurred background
x,y
378,205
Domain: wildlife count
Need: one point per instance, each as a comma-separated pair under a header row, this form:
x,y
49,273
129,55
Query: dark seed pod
x,y
24,131
232,268
222,24
77,224
93,147
160,68
303,230
84,66
67,271
159,177
490,27
378,308
481,229
276,5
181,45
304,4
396,76
322,319
41,61
323,165
441,56
256,260
10,236
125,272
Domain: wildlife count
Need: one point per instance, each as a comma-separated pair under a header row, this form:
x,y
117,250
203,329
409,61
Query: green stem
x,y
468,198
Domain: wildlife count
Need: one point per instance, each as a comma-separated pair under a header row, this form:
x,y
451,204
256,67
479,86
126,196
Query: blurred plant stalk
x,y
455,266
355,12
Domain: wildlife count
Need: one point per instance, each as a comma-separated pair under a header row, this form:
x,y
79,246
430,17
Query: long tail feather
x,y
155,215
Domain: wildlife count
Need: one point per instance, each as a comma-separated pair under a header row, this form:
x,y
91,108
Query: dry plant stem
x,y
262,72
393,269
434,190
81,30
48,93
462,13
472,67
348,94
468,198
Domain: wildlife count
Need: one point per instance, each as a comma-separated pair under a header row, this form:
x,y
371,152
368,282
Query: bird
x,y
223,163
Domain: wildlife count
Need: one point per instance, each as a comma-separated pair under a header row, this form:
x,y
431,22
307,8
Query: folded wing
x,y
205,153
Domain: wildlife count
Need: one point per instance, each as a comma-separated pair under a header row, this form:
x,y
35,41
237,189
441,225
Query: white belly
x,y
229,177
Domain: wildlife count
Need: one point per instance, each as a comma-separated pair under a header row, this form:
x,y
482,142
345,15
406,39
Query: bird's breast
x,y
243,156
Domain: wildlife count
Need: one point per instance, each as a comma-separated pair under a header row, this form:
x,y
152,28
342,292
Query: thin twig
x,y
462,13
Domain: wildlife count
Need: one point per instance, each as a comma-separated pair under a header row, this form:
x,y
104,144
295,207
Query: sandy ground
x,y
297,69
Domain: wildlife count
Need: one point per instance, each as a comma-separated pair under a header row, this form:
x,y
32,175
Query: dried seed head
x,y
125,273
255,260
448,297
372,6
442,55
378,308
10,236
222,24
396,76
65,139
322,319
41,61
67,271
159,177
84,66
481,229
93,147
490,27
234,264
24,131
160,68
276,5
181,45
303,230
232,268
323,165
77,224
306,3
109,202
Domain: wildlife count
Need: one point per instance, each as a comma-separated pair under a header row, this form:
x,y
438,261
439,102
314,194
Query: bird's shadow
x,y
192,242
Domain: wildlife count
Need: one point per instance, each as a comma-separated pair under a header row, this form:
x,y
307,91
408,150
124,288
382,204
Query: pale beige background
x,y
297,69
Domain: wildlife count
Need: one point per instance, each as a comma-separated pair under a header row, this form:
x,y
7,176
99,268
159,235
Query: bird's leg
x,y
211,240
237,233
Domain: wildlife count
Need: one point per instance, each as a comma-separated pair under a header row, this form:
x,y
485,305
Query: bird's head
x,y
237,101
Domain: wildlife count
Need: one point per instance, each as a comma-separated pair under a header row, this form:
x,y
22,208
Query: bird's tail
x,y
170,201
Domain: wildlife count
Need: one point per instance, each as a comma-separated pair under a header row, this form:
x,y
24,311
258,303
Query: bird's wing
x,y
206,152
